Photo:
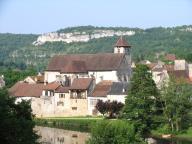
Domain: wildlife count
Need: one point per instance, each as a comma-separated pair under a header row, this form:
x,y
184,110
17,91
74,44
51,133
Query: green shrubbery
x,y
70,124
16,121
114,132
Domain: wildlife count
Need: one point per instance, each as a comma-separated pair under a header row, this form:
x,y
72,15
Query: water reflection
x,y
60,136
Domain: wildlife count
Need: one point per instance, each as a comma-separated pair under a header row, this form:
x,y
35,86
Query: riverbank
x,y
185,135
82,124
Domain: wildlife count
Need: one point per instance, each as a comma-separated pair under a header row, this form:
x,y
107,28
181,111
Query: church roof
x,y
122,42
75,63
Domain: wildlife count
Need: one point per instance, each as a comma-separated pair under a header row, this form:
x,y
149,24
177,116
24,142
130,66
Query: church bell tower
x,y
122,47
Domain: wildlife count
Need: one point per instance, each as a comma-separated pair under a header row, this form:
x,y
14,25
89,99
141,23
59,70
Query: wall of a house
x,y
103,75
118,98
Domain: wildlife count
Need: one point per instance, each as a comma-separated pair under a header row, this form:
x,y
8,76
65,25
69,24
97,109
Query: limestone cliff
x,y
79,36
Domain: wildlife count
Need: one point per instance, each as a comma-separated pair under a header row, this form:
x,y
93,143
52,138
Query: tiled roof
x,y
102,89
151,65
85,62
21,89
121,42
81,83
169,67
180,75
118,88
170,57
74,67
52,86
62,89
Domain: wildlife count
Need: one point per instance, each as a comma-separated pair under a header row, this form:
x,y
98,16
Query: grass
x,y
83,124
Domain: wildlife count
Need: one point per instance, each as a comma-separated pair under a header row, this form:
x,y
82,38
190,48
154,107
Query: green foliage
x,y
113,132
140,105
16,121
68,123
111,108
177,104
12,76
18,51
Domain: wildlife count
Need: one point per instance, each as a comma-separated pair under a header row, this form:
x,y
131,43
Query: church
x,y
73,83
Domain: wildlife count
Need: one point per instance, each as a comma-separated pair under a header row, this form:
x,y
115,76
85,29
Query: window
x,y
101,78
60,103
61,95
46,93
74,108
93,102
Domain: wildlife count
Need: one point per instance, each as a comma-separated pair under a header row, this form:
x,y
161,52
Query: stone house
x,y
72,82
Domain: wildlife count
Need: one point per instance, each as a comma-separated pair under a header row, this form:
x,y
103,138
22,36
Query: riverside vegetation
x,y
16,121
147,112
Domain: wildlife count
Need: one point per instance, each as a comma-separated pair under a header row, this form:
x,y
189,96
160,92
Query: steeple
x,y
122,46
122,43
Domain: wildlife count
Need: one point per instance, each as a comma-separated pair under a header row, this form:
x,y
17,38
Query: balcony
x,y
78,96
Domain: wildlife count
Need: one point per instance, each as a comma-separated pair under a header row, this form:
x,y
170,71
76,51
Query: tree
x,y
140,104
16,121
114,132
112,108
101,107
177,104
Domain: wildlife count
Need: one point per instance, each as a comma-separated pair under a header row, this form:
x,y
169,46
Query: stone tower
x,y
122,47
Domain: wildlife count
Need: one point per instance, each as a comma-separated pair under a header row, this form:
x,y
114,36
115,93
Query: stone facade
x,y
70,81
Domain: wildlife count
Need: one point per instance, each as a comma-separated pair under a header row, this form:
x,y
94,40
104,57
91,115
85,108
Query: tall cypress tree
x,y
140,104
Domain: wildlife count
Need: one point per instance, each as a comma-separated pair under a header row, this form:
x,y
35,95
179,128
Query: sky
x,y
41,16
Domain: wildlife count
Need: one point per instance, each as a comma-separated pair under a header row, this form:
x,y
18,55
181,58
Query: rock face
x,y
79,36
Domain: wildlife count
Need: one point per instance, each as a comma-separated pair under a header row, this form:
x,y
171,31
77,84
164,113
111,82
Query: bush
x,y
113,132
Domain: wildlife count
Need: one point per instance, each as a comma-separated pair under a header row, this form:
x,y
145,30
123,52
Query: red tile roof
x,y
169,67
52,86
151,65
21,89
121,42
81,83
85,62
180,75
74,67
102,89
170,57
62,89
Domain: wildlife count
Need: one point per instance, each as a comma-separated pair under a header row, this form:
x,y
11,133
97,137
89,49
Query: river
x,y
60,136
